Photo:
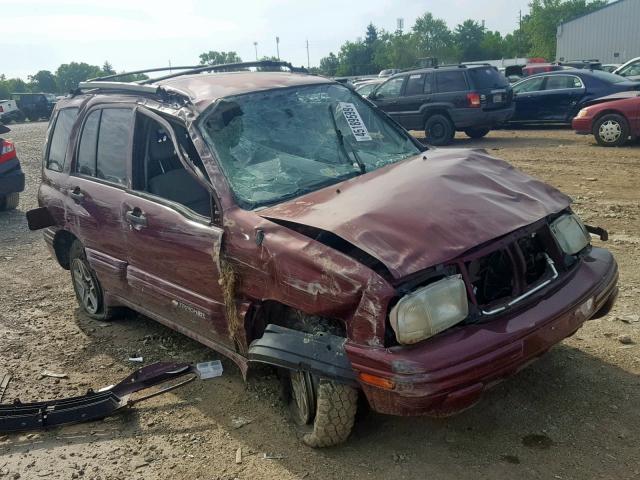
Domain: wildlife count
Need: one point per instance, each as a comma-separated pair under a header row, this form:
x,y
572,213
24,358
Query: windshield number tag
x,y
357,126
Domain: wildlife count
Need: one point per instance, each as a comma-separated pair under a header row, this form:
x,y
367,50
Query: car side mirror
x,y
372,96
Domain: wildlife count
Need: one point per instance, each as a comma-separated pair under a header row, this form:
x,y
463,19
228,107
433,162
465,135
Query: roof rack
x,y
227,67
147,86
138,72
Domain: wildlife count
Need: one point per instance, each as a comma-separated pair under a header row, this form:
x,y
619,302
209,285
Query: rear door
x,y
172,246
529,98
100,175
562,94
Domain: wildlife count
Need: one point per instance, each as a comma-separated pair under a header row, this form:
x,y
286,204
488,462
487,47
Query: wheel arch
x,y
62,241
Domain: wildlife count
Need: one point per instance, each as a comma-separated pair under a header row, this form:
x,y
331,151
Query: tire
x,y
476,132
439,130
86,285
330,409
10,201
611,130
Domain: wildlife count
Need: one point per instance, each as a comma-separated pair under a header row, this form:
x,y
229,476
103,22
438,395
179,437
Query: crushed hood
x,y
419,213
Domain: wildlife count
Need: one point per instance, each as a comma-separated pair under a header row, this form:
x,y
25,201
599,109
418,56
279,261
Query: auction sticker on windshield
x,y
357,126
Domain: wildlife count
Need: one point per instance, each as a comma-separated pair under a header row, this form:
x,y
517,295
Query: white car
x,y
630,70
9,111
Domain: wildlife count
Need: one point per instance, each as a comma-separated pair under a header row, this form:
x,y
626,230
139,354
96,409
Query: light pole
x,y
278,46
255,45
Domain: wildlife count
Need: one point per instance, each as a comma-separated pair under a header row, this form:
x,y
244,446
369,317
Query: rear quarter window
x,y
452,81
486,78
56,156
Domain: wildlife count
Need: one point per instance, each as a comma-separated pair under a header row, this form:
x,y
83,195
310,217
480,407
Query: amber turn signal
x,y
376,381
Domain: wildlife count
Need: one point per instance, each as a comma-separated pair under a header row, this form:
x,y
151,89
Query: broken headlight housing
x,y
429,310
570,233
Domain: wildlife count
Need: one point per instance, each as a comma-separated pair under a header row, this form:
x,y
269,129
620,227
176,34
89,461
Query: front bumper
x,y
448,373
582,126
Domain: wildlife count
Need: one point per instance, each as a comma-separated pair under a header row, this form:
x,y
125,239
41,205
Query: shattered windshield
x,y
282,143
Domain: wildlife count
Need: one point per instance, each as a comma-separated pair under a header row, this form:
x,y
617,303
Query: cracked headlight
x,y
570,233
429,310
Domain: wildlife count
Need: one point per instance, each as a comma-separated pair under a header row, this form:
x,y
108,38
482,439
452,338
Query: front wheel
x,y
611,130
477,132
439,130
86,285
327,405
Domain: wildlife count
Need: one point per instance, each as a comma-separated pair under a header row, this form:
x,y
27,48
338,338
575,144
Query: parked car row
x,y
476,98
32,106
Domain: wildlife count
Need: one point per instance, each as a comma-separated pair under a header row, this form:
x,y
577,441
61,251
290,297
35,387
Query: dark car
x,y
443,100
35,106
612,119
556,97
281,218
11,176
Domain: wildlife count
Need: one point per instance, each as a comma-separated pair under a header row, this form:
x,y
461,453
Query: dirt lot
x,y
575,414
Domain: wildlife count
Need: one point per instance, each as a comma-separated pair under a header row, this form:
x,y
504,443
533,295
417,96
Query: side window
x,y
414,85
113,145
428,82
60,139
391,88
452,81
159,171
531,85
86,163
556,82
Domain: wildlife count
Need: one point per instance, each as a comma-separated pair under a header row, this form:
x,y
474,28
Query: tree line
x,y
467,42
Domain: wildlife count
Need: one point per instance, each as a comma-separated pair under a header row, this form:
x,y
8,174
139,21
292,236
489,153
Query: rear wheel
x,y
10,201
439,130
88,290
611,130
477,132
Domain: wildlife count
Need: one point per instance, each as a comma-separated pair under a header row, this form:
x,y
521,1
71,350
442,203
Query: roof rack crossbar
x,y
225,67
137,72
121,86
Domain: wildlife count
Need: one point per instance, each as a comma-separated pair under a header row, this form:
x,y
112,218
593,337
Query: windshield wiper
x,y
358,163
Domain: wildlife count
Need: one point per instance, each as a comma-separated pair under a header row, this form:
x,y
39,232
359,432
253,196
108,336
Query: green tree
x,y
107,68
541,24
43,81
213,57
492,46
354,59
329,65
398,50
468,37
70,74
433,38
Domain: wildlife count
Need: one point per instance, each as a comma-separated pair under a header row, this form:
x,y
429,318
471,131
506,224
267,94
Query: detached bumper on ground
x,y
432,378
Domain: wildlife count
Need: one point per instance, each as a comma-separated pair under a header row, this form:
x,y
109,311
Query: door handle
x,y
76,194
136,217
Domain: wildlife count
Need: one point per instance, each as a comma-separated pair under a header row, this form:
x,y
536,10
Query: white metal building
x,y
610,34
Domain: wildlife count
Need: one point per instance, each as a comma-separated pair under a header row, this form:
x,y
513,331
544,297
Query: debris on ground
x,y
50,374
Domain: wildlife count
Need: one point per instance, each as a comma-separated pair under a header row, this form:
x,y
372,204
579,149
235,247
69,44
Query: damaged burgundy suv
x,y
280,218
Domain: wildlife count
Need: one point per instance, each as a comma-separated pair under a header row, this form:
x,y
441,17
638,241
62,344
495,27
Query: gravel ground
x,y
574,414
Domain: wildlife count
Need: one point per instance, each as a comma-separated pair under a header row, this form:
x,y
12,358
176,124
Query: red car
x,y
280,218
612,120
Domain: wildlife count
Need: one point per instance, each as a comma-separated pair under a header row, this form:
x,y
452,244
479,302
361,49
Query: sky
x,y
134,34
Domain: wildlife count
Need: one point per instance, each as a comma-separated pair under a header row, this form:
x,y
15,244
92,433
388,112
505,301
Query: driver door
x,y
173,247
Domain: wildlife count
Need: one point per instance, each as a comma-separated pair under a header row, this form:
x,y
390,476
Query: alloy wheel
x,y
85,286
